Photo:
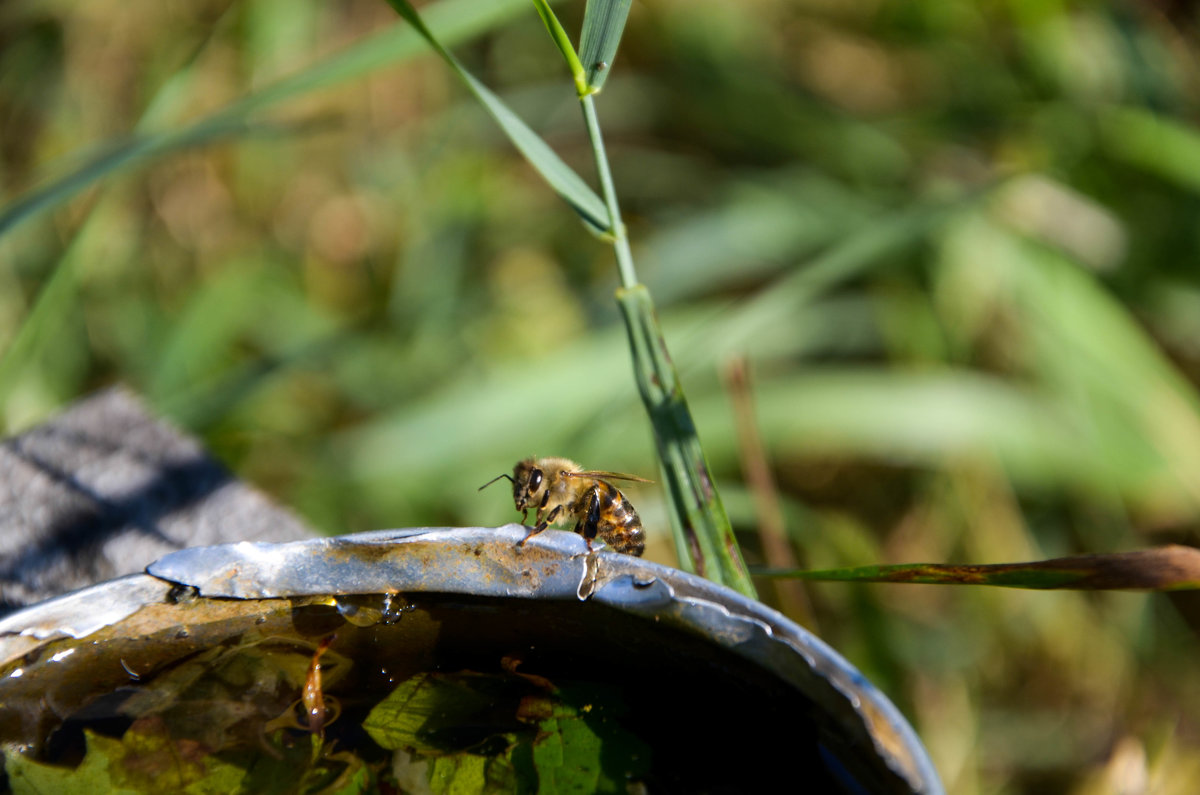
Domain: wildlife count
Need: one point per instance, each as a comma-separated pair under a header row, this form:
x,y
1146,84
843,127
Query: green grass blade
x,y
569,185
563,42
1170,568
704,538
55,193
603,24
56,301
1156,143
452,20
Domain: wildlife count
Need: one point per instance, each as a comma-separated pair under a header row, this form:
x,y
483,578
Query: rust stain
x,y
887,741
694,548
705,480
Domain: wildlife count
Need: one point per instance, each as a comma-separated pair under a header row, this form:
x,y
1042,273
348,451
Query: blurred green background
x,y
955,242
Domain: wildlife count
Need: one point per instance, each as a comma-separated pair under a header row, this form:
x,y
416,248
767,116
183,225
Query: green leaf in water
x,y
29,777
566,752
478,733
145,760
471,774
356,778
445,713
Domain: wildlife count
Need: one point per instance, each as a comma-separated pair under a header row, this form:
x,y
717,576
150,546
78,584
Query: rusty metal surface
x,y
488,562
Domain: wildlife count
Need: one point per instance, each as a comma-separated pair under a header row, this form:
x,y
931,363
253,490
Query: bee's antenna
x,y
493,480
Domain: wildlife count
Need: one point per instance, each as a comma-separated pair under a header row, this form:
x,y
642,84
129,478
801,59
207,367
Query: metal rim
x,y
489,562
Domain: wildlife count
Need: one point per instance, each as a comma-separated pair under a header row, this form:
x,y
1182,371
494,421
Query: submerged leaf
x,y
481,733
567,753
582,747
1169,568
471,774
445,713
26,775
145,760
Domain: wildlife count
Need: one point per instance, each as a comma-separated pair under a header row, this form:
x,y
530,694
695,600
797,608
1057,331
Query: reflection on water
x,y
382,693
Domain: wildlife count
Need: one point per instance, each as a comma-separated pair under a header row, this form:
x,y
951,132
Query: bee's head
x,y
528,484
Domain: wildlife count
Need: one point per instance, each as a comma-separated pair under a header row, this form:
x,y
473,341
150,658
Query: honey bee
x,y
562,490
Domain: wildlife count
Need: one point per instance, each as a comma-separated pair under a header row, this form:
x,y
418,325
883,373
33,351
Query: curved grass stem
x,y
616,229
704,538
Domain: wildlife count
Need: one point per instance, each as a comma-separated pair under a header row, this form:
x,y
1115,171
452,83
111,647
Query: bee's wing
x,y
605,475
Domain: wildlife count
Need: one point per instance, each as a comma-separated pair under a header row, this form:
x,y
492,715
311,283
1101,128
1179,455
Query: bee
x,y
562,490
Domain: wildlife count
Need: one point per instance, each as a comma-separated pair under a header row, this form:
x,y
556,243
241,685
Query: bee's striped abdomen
x,y
610,516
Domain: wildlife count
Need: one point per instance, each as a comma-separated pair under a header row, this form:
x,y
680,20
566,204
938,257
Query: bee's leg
x,y
542,525
590,523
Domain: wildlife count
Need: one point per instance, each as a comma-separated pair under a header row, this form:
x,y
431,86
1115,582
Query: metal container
x,y
715,692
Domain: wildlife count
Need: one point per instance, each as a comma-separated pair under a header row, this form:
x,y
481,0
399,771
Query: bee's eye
x,y
535,479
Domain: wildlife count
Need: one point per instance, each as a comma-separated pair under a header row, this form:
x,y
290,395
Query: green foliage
x,y
955,242
603,24
223,721
563,42
483,733
92,775
452,20
704,539
566,182
147,760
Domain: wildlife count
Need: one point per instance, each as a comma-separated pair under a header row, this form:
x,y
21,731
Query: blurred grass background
x,y
956,243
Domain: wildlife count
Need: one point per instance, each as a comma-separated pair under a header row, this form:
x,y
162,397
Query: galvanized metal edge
x,y
488,561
